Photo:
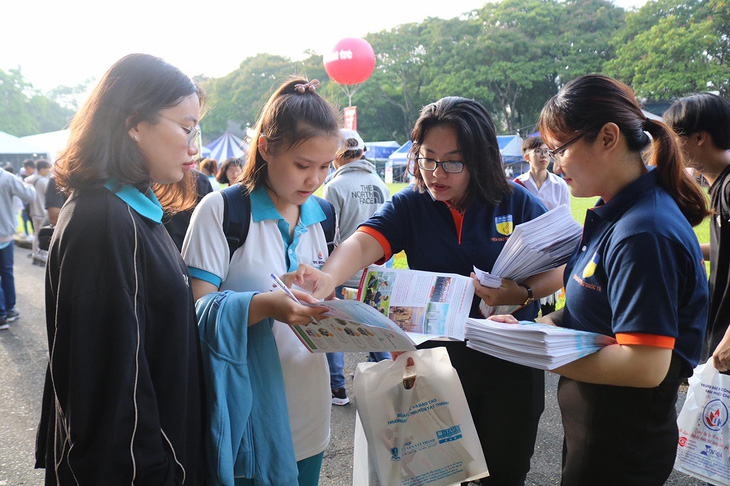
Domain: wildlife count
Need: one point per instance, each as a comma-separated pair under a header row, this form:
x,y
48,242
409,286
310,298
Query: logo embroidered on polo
x,y
590,269
318,262
504,224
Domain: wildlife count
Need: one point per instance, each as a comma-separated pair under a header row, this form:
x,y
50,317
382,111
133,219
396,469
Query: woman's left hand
x,y
509,293
504,319
721,356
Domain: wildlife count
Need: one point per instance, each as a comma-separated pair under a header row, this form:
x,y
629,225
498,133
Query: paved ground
x,y
23,355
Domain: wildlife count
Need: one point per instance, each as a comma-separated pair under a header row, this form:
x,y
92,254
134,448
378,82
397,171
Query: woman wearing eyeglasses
x,y
459,214
636,276
123,401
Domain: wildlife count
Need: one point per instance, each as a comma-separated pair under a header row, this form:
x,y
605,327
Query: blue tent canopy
x,y
380,150
400,156
510,146
225,146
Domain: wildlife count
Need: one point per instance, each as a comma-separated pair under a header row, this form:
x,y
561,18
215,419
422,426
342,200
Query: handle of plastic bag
x,y
409,374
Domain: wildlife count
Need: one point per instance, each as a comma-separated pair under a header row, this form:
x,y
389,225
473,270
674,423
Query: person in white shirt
x,y
295,142
549,188
38,212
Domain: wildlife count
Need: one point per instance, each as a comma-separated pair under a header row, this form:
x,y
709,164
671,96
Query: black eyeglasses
x,y
447,166
558,152
192,132
541,152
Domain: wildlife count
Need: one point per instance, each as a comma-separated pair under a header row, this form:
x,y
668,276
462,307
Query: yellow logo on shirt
x,y
590,269
504,224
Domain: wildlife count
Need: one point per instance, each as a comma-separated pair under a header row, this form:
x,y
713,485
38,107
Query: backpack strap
x,y
236,216
329,225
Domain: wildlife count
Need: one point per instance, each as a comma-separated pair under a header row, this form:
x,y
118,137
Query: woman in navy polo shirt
x,y
636,275
459,214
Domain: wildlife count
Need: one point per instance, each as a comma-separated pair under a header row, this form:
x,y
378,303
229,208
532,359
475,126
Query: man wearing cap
x,y
356,192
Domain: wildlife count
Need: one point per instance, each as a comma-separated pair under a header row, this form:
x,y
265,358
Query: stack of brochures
x,y
536,345
534,247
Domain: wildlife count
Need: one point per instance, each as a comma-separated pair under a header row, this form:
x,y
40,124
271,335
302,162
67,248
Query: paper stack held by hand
x,y
534,246
536,345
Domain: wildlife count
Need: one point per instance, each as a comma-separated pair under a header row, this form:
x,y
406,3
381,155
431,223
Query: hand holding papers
x,y
396,309
536,345
534,246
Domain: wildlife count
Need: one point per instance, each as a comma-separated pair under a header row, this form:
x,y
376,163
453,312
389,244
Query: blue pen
x,y
283,287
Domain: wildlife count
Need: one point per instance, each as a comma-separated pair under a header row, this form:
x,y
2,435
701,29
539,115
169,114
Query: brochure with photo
x,y
425,305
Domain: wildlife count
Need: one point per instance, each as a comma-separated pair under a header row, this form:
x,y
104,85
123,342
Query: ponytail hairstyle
x,y
132,91
587,103
294,114
477,139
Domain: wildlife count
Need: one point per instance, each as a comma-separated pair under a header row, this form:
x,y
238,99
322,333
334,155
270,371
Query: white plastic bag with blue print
x,y
417,423
703,450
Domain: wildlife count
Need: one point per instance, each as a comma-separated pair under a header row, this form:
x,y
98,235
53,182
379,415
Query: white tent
x,y
10,144
51,143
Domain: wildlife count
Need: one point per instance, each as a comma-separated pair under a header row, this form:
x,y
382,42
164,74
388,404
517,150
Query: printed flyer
x,y
352,326
426,305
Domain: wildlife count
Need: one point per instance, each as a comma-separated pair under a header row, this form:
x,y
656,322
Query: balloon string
x,y
346,89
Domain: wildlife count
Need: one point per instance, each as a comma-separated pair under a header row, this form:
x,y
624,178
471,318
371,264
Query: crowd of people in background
x,y
171,357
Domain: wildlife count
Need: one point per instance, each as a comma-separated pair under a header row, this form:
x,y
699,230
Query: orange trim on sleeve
x,y
381,239
458,221
646,340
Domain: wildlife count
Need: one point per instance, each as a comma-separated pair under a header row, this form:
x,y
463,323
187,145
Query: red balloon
x,y
351,61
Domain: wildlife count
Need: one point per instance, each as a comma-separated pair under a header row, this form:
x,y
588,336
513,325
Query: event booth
x,y
223,147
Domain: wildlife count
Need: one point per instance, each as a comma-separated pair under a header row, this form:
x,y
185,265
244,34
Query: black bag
x,y
44,237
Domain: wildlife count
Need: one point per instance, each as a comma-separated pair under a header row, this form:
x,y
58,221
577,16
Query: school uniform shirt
x,y
554,191
268,249
123,401
719,315
637,274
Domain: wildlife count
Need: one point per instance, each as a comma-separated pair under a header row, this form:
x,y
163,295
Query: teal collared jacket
x,y
248,433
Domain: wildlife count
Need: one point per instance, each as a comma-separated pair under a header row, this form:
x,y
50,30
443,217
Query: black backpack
x,y
237,217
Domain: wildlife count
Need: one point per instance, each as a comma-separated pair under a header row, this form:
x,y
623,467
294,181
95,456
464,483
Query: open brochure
x,y
425,305
396,310
352,326
531,344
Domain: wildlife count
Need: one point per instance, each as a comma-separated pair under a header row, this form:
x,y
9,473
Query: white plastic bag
x,y
703,450
417,423
363,469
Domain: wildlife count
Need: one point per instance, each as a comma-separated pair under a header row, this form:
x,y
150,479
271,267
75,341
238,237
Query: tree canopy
x,y
511,56
25,111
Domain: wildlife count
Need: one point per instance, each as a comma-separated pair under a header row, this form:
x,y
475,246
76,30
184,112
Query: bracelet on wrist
x,y
530,297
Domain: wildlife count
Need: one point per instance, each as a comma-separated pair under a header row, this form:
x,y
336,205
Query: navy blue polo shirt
x,y
637,274
437,238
